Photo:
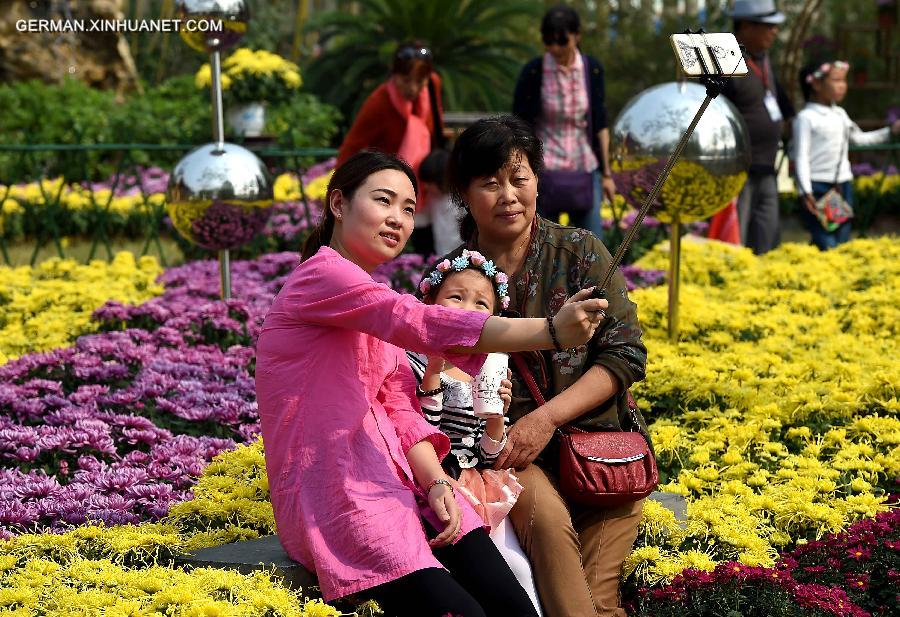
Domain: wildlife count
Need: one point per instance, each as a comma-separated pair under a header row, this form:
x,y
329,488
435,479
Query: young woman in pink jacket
x,y
356,484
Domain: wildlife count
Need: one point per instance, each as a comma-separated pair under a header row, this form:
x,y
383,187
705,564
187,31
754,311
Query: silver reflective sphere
x,y
232,14
219,198
713,167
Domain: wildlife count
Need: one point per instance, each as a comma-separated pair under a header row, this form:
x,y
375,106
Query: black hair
x,y
808,69
485,147
433,169
346,179
412,58
559,23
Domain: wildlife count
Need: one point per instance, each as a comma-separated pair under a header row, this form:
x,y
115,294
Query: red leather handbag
x,y
605,468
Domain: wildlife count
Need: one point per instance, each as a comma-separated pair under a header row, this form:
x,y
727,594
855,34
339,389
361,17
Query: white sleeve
x,y
491,449
433,409
433,403
802,131
859,137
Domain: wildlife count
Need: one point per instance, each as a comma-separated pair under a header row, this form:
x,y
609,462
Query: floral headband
x,y
476,261
825,68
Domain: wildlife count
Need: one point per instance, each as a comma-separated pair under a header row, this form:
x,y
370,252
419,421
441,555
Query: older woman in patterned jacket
x,y
576,552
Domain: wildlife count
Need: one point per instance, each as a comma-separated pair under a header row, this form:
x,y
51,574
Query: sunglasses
x,y
413,53
556,38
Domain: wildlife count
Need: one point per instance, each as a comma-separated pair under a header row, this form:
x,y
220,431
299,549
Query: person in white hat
x,y
765,108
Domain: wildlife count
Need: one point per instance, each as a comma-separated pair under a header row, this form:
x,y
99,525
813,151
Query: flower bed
x,y
848,574
48,306
776,416
134,202
117,428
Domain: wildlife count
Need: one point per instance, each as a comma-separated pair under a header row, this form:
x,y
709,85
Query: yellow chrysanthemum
x,y
51,304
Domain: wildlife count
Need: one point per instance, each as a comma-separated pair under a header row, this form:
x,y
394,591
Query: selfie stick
x,y
714,82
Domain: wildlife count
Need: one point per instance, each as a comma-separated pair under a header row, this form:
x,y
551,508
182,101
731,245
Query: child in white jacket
x,y
822,133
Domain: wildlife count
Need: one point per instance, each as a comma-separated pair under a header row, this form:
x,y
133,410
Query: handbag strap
x,y
536,394
844,143
529,379
538,397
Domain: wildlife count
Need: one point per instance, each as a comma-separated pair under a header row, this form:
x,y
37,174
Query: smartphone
x,y
709,54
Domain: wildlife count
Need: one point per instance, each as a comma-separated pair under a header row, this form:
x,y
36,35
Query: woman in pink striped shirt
x,y
358,492
561,95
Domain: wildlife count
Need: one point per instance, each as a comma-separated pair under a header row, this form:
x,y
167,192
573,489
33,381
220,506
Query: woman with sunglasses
x,y
561,95
403,116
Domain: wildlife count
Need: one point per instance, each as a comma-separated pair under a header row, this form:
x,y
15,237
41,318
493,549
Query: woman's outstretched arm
x,y
574,324
331,292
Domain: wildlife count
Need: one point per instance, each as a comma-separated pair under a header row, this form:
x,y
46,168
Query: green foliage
x,y
73,113
34,112
175,112
272,24
303,122
252,89
478,48
68,113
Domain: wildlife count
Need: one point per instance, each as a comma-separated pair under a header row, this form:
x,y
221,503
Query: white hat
x,y
761,11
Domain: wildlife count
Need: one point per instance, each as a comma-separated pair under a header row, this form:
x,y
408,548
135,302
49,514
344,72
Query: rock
x,y
672,501
100,59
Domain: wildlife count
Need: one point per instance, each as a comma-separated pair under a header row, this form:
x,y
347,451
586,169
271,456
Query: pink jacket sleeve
x,y
328,290
398,396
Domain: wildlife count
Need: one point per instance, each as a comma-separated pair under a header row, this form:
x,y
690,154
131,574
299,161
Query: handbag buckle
x,y
612,461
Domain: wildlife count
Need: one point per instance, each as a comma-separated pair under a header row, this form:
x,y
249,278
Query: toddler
x,y
472,282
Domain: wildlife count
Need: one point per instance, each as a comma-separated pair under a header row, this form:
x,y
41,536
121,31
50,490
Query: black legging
x,y
479,584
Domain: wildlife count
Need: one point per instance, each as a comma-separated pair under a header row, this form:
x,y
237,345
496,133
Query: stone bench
x,y
267,554
251,556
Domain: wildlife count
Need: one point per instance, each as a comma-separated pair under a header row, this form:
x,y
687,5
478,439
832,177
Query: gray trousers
x,y
758,213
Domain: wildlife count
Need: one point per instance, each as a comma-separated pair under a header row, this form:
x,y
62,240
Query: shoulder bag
x,y
832,209
602,469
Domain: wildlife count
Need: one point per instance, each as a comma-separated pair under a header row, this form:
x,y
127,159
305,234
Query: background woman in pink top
x,y
353,465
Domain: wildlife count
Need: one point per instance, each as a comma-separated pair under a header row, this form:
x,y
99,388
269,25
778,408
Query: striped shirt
x,y
451,411
563,124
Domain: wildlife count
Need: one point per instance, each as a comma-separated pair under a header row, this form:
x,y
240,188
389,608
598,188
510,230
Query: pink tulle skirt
x,y
491,492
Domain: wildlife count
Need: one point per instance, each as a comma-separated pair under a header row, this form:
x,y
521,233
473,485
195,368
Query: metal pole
x,y
218,122
674,276
218,126
225,273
